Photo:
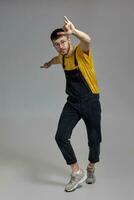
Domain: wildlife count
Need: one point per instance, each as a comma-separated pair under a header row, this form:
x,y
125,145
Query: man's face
x,y
62,45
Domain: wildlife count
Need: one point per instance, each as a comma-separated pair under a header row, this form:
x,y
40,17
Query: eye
x,y
56,45
63,41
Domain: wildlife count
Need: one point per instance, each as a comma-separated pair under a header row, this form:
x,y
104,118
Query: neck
x,y
70,50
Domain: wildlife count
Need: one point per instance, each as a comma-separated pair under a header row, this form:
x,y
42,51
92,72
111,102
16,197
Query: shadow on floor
x,y
34,170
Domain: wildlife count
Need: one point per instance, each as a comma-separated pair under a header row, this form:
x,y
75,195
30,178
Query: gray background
x,y
31,99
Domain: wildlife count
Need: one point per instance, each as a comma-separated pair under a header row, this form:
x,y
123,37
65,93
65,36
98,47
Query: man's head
x,y
60,42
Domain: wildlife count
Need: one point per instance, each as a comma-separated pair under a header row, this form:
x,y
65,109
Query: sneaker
x,y
90,176
76,181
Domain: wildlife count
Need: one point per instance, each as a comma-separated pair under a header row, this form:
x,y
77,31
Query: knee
x,y
60,137
57,138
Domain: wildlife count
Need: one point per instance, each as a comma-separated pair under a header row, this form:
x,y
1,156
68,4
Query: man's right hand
x,y
46,65
54,60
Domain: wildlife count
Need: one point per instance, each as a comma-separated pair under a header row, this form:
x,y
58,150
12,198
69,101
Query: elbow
x,y
89,40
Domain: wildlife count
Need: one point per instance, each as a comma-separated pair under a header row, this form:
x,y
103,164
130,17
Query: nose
x,y
61,46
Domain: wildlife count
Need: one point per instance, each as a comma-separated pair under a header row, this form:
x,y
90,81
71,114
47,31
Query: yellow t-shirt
x,y
85,65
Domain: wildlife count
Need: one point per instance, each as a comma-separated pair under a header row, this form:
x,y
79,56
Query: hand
x,y
68,27
46,65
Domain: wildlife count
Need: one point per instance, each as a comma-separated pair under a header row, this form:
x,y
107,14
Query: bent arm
x,y
70,29
54,60
84,39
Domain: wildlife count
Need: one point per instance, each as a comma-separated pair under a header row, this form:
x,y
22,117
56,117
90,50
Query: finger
x,y
65,22
61,33
66,19
65,27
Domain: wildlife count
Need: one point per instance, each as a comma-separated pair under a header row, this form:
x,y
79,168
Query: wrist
x,y
75,32
49,64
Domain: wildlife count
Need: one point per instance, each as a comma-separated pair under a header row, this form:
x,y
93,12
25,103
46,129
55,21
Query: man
x,y
82,101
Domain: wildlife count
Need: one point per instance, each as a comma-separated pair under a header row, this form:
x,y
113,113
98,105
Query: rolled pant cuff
x,y
71,162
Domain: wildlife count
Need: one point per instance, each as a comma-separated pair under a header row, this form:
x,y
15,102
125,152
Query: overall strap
x,y
75,60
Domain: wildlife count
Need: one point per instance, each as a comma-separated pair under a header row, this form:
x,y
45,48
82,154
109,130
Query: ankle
x,y
91,166
75,168
76,172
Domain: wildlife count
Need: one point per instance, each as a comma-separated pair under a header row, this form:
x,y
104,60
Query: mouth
x,y
63,51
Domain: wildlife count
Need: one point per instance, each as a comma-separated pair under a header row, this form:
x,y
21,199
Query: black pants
x,y
88,109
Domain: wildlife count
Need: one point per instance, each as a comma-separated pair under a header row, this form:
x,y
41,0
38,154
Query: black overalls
x,y
81,103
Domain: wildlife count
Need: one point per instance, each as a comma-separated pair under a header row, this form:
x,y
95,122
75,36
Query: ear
x,y
69,40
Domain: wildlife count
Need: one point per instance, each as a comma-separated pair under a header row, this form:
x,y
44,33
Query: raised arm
x,y
54,60
69,29
84,39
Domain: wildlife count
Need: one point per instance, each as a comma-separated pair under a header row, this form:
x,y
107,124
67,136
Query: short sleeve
x,y
83,54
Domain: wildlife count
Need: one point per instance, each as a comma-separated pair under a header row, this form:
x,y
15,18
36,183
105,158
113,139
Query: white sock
x,y
76,173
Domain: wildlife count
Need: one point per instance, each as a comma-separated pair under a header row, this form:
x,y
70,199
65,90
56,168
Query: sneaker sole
x,y
78,184
88,182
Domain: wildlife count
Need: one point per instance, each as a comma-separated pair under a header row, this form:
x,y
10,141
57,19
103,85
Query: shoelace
x,y
74,178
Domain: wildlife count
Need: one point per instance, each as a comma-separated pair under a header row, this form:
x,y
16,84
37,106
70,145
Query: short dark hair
x,y
54,35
